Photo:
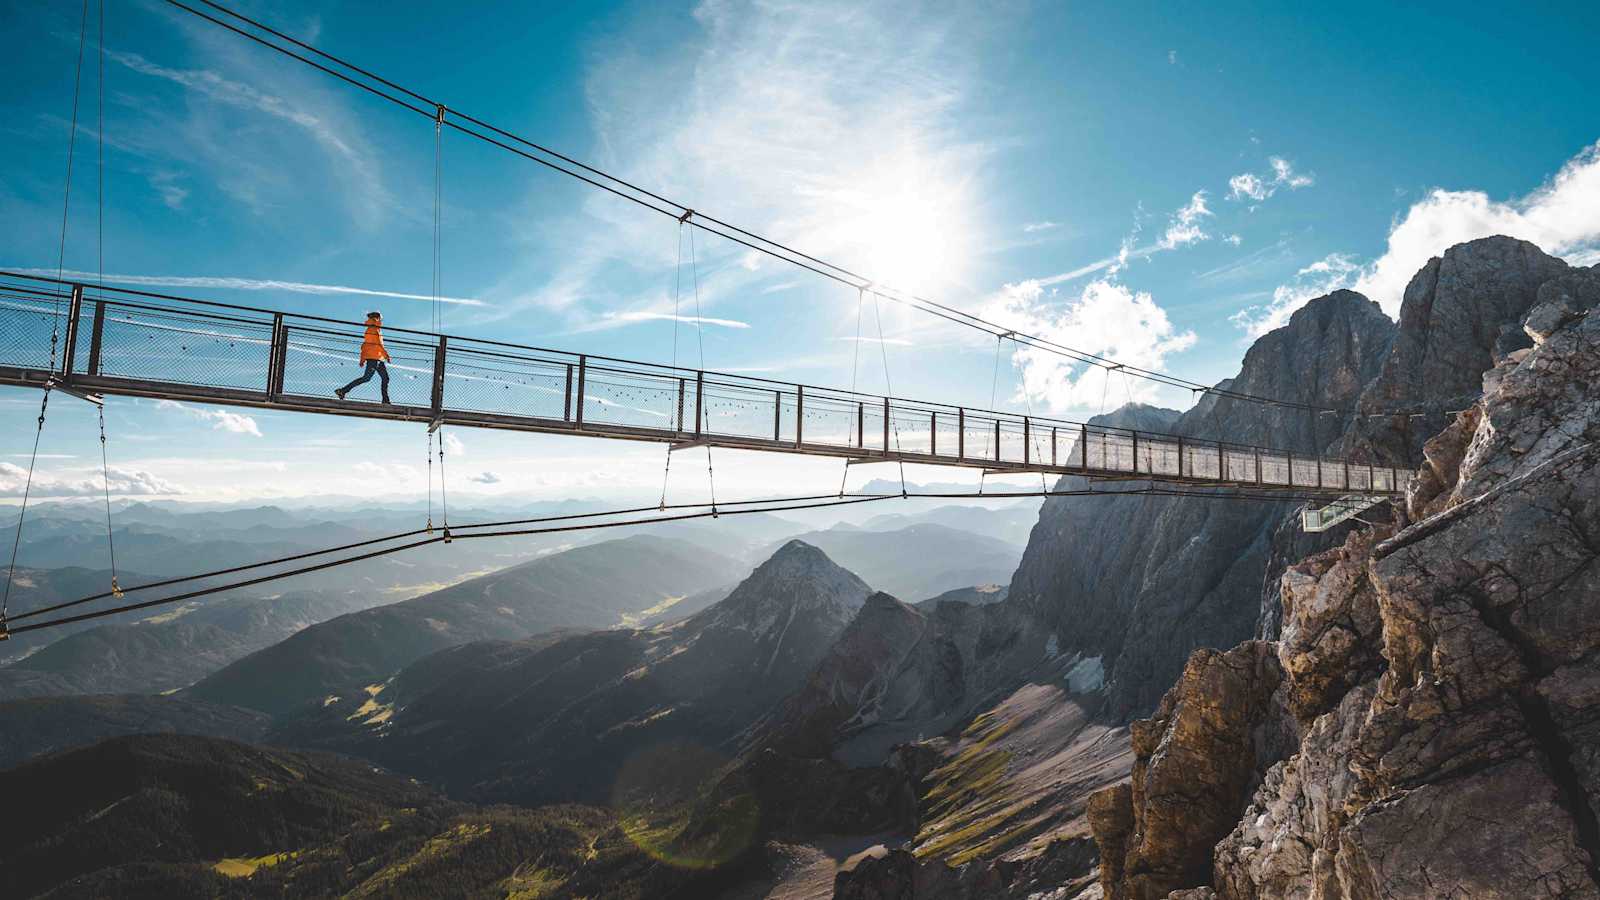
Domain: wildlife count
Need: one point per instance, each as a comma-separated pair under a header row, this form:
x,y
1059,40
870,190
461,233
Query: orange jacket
x,y
372,344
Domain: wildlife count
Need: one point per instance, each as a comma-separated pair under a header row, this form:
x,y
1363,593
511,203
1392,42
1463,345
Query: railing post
x,y
799,413
1026,434
996,438
1135,451
566,398
1257,452
1222,465
1288,457
1083,447
439,353
96,335
777,416
1180,456
577,397
74,311
1053,446
861,425
933,432
699,401
961,432
680,405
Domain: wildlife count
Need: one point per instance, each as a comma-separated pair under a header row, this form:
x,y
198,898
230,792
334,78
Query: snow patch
x,y
1088,675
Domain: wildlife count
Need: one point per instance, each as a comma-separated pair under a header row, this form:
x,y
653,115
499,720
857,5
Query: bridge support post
x,y
961,433
1135,435
1180,456
1027,434
799,414
1053,445
437,398
861,425
278,352
1083,447
95,336
1222,465
699,401
777,417
933,433
886,426
69,355
996,438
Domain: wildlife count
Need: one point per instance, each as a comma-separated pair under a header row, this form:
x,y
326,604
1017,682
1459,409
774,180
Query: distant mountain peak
x,y
797,579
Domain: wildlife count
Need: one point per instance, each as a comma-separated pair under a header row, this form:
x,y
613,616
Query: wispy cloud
x,y
484,478
1033,227
220,419
1562,216
1184,228
893,342
358,166
212,282
1250,186
120,481
617,320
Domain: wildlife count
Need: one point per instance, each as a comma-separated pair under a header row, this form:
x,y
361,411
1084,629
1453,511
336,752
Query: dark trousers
x,y
374,367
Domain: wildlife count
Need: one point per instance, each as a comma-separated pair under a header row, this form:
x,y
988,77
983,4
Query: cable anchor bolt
x,y
447,537
438,115
685,217
5,631
116,589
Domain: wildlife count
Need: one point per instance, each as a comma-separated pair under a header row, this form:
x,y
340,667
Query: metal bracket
x,y
435,423
868,460
688,445
55,384
685,217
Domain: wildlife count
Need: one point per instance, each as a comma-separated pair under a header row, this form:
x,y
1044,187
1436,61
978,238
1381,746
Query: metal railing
x,y
119,341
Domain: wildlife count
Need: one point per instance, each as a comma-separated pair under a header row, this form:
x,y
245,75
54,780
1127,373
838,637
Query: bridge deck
x,y
138,344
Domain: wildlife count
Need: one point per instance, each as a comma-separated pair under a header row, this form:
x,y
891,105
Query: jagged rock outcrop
x,y
1460,760
1460,312
1143,583
1195,764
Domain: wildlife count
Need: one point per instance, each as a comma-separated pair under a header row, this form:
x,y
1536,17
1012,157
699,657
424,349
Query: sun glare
x,y
908,228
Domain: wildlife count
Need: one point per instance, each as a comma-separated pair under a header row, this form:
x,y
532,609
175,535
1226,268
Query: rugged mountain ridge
x,y
557,719
592,586
1425,727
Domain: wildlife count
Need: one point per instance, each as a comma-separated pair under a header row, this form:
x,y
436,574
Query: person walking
x,y
373,356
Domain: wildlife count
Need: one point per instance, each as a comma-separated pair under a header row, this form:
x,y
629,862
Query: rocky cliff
x,y
1427,725
1140,583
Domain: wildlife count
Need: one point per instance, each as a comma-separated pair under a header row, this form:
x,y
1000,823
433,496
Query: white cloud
x,y
1249,186
1046,225
1562,216
220,419
1172,57
453,444
241,284
1184,227
1107,319
1233,239
121,482
484,478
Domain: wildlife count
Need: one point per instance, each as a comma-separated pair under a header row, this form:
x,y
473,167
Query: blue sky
x,y
1157,183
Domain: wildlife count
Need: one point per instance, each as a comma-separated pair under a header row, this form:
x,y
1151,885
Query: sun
x,y
910,223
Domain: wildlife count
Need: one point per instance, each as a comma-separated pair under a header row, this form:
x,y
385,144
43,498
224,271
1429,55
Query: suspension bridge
x,y
137,344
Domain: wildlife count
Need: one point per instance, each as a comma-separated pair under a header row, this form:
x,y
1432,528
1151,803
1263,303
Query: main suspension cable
x,y
499,137
66,191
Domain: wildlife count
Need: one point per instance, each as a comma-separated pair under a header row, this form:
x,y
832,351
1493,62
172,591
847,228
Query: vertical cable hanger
x,y
994,386
699,332
677,287
1033,437
100,271
888,391
855,365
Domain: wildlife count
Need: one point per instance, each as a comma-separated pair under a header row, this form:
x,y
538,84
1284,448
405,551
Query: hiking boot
x,y
386,400
339,393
